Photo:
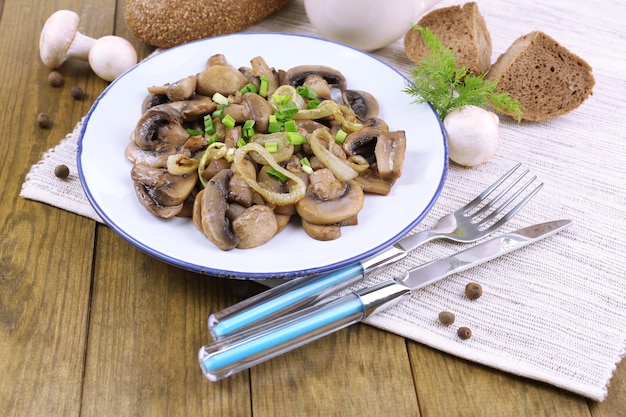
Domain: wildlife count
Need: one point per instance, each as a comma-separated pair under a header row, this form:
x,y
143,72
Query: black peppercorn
x,y
55,79
446,318
43,120
473,290
77,93
464,333
61,171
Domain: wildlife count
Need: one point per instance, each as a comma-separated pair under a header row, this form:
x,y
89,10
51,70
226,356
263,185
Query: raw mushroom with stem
x,y
472,134
60,40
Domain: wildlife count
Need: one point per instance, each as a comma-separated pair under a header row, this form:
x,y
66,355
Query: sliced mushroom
x,y
255,226
156,158
385,148
362,103
371,183
324,212
152,100
389,151
238,189
261,68
362,142
282,220
252,107
143,195
160,192
321,232
320,85
213,167
182,89
160,120
219,77
297,75
164,188
215,223
324,185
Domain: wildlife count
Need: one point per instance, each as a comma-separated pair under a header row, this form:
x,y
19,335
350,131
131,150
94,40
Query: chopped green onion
x,y
219,113
306,92
281,98
313,104
209,126
271,147
340,136
287,111
228,121
264,86
213,138
248,129
296,138
305,161
220,98
241,142
248,88
307,169
195,132
291,126
274,127
271,171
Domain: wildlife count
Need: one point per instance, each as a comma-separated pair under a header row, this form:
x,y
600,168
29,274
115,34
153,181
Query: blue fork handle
x,y
246,349
280,300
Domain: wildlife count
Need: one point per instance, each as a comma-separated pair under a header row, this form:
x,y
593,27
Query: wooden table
x,y
91,326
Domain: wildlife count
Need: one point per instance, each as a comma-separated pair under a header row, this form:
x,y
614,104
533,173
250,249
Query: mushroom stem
x,y
80,47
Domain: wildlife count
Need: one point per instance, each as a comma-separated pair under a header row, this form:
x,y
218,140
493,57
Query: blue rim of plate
x,y
281,275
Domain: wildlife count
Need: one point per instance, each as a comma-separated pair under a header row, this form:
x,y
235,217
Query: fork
x,y
478,218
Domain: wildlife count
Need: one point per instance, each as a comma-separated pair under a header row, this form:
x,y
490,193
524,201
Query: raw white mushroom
x,y
473,135
60,40
110,56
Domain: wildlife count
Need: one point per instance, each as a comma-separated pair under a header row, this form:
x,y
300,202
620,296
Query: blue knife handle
x,y
224,358
244,350
280,300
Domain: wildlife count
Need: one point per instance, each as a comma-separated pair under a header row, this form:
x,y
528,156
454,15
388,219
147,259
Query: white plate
x,y
105,171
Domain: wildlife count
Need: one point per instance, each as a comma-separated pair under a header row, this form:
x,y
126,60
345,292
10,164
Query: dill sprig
x,y
438,80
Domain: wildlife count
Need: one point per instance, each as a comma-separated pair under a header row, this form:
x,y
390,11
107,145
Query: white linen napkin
x,y
554,311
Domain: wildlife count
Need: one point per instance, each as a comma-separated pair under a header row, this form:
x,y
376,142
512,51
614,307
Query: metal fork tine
x,y
491,204
515,209
481,197
502,206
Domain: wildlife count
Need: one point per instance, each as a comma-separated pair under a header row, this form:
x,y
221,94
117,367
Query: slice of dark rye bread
x,y
460,28
545,77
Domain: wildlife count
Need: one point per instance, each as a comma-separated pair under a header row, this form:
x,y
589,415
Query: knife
x,y
253,346
300,292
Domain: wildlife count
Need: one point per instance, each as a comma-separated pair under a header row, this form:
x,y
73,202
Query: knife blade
x,y
253,346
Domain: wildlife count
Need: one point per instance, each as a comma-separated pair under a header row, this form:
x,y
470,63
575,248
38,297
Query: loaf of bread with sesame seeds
x,y
460,28
545,77
167,23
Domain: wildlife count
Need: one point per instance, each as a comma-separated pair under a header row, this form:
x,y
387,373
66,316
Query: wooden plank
x,y
449,386
45,253
148,321
358,371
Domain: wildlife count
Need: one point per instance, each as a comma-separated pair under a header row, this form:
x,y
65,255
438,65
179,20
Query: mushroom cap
x,y
57,36
472,134
325,212
110,56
